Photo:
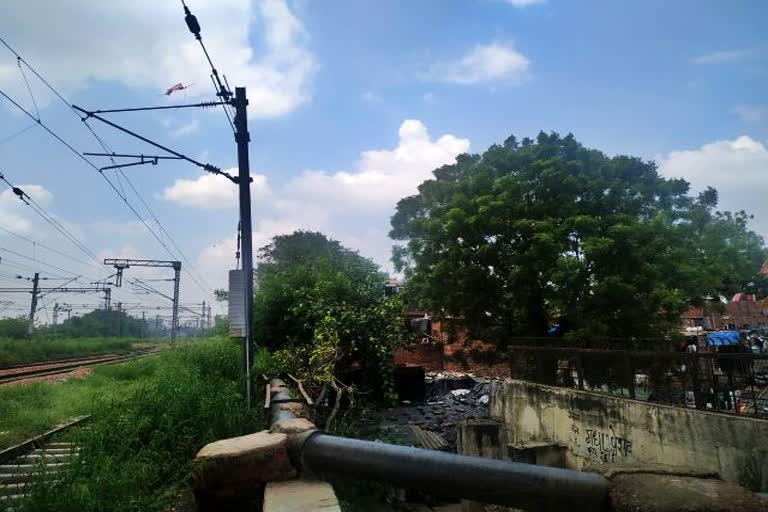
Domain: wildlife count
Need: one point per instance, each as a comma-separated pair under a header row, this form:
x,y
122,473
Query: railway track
x,y
20,465
43,369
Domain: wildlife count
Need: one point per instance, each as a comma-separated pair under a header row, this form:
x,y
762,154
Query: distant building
x,y
744,313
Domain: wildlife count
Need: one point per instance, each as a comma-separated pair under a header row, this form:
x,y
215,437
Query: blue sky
x,y
354,103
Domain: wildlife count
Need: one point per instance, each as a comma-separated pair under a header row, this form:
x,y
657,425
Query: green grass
x,y
149,419
29,409
14,351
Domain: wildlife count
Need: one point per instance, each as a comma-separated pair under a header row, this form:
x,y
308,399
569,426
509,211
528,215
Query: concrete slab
x,y
666,493
300,496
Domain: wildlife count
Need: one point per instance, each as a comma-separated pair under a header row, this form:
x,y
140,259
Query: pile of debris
x,y
451,398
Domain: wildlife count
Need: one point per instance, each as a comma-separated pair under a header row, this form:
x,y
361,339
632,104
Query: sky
x,y
351,105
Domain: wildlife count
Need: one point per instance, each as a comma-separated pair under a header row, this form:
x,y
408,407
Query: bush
x,y
14,328
138,450
35,349
322,308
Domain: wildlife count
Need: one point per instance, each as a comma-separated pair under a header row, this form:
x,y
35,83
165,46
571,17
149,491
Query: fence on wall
x,y
734,383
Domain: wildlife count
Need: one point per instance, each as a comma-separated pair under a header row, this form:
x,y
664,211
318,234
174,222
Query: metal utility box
x,y
237,320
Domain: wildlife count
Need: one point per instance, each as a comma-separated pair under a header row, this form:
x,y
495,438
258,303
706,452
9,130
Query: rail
x,y
8,375
459,476
732,383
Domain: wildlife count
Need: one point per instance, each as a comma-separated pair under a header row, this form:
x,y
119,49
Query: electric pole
x,y
123,263
33,307
119,318
55,313
242,137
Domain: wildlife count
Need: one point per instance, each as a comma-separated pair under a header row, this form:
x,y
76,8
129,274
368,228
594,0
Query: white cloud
x,y
720,57
14,213
484,63
186,129
146,44
751,113
352,206
212,191
524,3
737,168
429,97
382,176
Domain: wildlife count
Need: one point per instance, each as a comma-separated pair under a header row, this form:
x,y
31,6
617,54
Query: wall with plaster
x,y
601,429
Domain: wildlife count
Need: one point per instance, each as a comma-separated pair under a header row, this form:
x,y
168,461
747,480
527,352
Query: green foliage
x,y
30,409
546,231
98,323
263,363
220,326
321,307
14,351
141,444
14,328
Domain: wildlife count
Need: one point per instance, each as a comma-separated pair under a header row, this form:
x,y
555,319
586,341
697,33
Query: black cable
x,y
91,164
39,261
50,219
29,89
39,244
20,59
20,132
221,91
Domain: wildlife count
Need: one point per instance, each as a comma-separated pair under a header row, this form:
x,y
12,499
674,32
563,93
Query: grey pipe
x,y
488,480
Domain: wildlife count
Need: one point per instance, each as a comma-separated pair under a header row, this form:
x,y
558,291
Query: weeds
x,y
13,351
139,447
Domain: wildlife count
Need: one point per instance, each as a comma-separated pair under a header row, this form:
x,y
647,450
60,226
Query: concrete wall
x,y
601,429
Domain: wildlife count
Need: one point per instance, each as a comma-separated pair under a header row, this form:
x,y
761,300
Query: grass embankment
x,y
15,351
149,419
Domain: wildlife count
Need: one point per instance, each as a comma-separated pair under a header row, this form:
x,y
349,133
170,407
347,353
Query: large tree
x,y
322,308
533,233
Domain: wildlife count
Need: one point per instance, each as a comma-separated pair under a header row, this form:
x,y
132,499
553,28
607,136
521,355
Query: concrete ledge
x,y
664,493
238,464
300,496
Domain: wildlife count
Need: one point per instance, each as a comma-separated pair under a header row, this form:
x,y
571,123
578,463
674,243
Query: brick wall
x,y
429,356
441,354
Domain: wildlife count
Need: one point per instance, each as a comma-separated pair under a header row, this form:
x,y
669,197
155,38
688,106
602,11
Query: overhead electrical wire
x,y
207,288
221,91
16,134
39,261
43,246
50,219
91,164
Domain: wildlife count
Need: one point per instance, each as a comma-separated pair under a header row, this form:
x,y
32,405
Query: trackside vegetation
x,y
149,418
16,351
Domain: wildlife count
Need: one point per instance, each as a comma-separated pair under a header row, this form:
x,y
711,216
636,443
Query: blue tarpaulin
x,y
722,338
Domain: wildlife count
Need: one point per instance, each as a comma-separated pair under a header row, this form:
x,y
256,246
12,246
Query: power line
x,y
20,60
16,134
221,91
50,219
39,244
91,164
39,261
29,89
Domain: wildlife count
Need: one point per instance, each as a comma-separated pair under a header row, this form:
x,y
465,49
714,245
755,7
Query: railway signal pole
x,y
33,307
38,292
239,102
123,263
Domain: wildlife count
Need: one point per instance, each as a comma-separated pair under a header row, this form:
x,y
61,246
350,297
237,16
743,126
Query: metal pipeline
x,y
280,397
488,480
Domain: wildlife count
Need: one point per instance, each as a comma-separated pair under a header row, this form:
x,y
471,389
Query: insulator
x,y
192,23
